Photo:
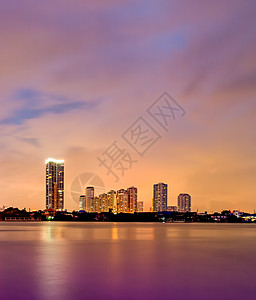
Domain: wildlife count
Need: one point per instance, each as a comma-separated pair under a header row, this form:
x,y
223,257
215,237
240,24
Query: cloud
x,y
32,141
34,104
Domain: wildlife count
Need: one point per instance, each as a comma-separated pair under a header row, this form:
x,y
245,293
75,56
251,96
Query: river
x,y
58,260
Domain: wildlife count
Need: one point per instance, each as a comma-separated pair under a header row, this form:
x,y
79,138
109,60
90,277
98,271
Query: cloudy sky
x,y
75,75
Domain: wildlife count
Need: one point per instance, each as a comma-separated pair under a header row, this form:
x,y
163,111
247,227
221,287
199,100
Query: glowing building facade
x,y
122,201
132,199
140,206
82,202
104,207
89,195
184,203
112,201
54,184
160,197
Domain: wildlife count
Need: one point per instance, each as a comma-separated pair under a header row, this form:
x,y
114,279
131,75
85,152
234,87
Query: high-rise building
x,y
103,205
82,202
89,195
95,204
184,203
122,201
160,197
140,206
54,184
112,201
132,199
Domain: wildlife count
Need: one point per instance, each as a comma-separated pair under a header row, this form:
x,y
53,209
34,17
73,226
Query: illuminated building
x,y
132,199
140,206
184,203
103,203
82,202
112,201
122,201
160,197
171,208
89,195
54,184
95,204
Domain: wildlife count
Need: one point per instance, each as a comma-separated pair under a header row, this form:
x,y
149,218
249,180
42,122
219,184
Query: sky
x,y
75,75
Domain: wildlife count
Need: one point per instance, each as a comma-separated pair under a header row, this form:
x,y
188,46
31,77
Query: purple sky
x,y
75,75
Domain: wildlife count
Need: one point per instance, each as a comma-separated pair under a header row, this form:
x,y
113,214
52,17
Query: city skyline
x,y
91,203
120,201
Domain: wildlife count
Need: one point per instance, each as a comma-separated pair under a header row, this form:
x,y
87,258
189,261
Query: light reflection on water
x,y
52,260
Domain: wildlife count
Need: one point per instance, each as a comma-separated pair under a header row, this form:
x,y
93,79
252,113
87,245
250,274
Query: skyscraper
x,y
54,184
140,206
112,201
122,201
160,197
103,207
95,205
132,199
89,195
82,202
184,203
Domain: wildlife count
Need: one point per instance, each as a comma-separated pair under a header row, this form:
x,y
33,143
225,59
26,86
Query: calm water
x,y
127,261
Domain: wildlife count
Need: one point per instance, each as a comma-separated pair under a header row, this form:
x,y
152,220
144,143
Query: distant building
x,y
122,201
160,197
95,204
140,206
132,199
54,184
112,201
184,203
172,208
82,203
89,195
103,205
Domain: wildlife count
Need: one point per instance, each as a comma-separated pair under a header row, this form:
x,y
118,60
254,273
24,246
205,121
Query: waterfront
x,y
57,260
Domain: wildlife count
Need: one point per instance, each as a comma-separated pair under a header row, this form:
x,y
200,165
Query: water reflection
x,y
144,233
51,265
51,232
126,261
115,235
